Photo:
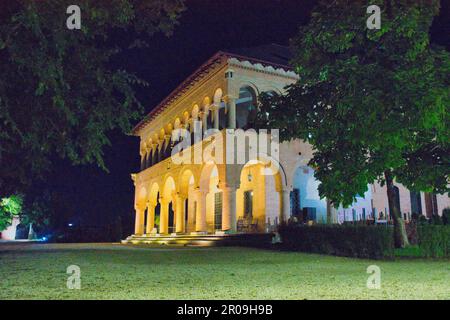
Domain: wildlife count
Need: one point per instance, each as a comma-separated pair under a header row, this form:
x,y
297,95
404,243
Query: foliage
x,y
38,211
350,240
60,92
434,240
374,104
446,216
9,207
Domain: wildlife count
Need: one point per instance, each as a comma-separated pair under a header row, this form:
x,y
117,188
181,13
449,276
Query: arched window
x,y
222,116
246,108
149,163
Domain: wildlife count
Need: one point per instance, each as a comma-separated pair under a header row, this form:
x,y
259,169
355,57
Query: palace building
x,y
192,197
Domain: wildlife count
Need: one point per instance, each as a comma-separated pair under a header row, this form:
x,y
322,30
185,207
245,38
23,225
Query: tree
x,y
374,104
60,90
9,207
38,211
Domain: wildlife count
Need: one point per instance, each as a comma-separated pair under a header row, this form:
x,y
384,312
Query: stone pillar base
x,y
199,233
220,233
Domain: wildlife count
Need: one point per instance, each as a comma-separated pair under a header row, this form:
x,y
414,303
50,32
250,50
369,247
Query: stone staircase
x,y
208,240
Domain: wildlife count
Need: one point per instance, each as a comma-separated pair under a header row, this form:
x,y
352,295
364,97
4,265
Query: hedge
x,y
359,241
434,240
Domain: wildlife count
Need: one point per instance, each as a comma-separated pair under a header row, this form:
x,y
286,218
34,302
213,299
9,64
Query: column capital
x,y
199,190
229,98
150,204
286,189
228,187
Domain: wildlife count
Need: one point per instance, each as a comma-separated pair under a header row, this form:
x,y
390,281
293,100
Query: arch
x,y
217,96
169,128
206,102
169,187
259,196
186,187
272,167
195,112
162,133
246,107
186,179
185,117
167,219
153,194
205,175
177,123
209,185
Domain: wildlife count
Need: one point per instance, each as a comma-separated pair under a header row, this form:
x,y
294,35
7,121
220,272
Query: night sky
x,y
93,196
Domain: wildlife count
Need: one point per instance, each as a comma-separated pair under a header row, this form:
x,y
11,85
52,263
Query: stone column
x,y
150,217
285,204
203,117
229,209
164,216
139,221
200,215
216,116
179,214
231,109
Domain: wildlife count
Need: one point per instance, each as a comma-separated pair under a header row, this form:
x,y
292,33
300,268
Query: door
x,y
218,211
171,219
248,204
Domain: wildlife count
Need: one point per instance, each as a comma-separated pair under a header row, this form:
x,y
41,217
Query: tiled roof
x,y
271,54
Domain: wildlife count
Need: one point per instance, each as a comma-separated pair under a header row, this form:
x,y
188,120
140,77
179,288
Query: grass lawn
x,y
38,271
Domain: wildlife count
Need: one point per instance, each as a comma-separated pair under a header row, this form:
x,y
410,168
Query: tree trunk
x,y
329,212
400,236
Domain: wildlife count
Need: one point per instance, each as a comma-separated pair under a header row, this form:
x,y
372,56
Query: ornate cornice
x,y
205,70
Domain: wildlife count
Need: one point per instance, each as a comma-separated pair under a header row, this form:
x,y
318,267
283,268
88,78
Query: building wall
x,y
270,192
10,232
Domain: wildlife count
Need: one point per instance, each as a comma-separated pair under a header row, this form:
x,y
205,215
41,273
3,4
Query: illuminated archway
x,y
186,192
209,185
167,219
258,199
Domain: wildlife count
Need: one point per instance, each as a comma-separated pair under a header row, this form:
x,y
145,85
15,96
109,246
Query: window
x,y
416,202
246,108
295,198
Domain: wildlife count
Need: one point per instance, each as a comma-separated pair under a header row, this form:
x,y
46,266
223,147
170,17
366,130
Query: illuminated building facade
x,y
219,197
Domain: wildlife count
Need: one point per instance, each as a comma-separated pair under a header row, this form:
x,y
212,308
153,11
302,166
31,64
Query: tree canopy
x,y
9,207
60,93
374,104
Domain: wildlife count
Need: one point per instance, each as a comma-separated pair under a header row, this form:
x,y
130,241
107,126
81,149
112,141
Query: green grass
x,y
118,272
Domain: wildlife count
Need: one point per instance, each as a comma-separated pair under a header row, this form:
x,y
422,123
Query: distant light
x,y
70,224
44,238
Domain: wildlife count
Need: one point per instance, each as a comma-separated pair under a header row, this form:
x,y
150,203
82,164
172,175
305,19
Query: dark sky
x,y
95,196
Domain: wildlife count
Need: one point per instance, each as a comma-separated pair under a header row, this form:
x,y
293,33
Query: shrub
x,y
436,219
422,220
434,240
411,231
350,240
446,216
